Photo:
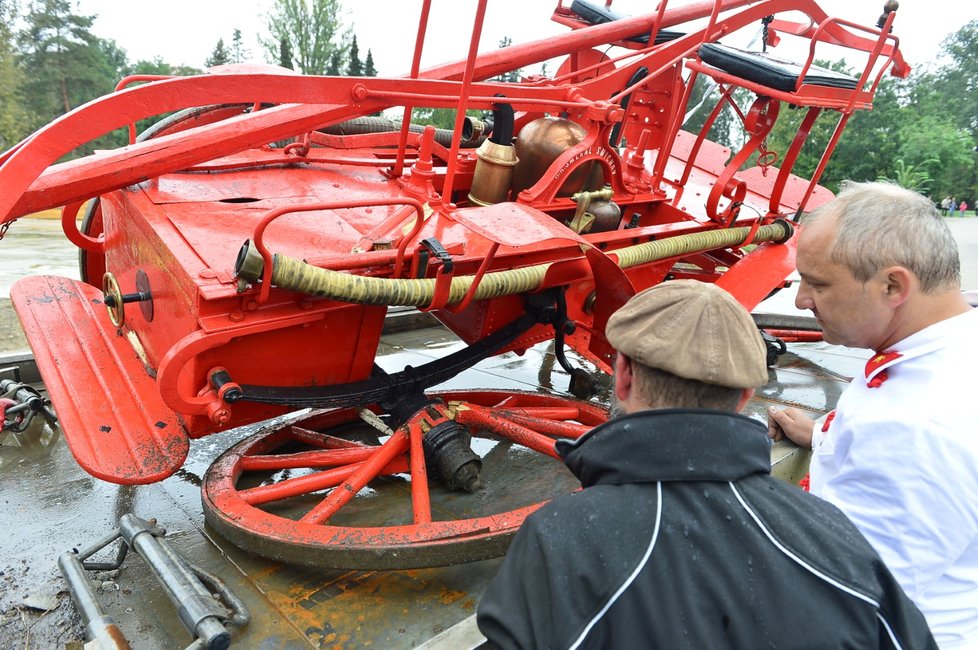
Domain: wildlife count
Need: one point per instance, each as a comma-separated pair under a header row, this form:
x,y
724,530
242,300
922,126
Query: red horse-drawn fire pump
x,y
239,257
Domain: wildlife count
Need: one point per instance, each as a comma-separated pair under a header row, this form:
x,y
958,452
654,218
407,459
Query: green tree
x,y
354,66
956,82
335,63
160,67
13,116
285,54
239,52
219,56
315,32
369,70
64,64
441,118
952,96
727,128
912,177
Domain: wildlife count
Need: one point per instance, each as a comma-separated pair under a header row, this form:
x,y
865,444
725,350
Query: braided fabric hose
x,y
295,275
696,242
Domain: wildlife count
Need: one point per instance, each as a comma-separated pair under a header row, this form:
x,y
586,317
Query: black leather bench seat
x,y
767,70
598,15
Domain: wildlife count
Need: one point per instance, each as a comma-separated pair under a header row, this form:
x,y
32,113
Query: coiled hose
x,y
376,124
295,275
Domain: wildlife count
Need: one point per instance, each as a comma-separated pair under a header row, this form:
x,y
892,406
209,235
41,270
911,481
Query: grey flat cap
x,y
694,330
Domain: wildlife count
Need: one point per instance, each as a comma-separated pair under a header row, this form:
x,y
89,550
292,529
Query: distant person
x,y
963,206
945,205
681,538
953,207
880,270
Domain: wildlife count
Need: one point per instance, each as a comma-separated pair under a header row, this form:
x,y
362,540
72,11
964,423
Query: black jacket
x,y
682,539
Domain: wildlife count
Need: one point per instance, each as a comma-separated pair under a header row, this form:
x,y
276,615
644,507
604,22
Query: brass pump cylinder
x,y
493,173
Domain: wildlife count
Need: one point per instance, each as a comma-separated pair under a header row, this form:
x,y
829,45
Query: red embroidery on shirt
x,y
874,374
878,379
828,421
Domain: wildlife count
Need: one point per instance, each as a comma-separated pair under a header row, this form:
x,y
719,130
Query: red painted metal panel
x,y
112,416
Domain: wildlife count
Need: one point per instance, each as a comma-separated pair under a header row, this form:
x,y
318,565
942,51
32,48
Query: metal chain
x,y
4,226
765,21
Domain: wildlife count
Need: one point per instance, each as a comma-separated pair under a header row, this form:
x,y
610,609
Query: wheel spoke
x,y
321,440
543,424
544,412
420,500
396,445
481,417
306,459
312,483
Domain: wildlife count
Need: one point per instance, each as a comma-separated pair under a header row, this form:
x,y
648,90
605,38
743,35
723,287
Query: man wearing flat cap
x,y
680,538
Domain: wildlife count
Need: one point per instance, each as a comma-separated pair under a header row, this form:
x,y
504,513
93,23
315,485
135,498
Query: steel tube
x,y
100,628
195,606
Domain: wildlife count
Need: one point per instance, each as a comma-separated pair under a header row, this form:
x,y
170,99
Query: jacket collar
x,y
669,445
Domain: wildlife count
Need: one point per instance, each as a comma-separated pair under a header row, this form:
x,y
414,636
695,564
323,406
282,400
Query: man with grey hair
x,y
899,455
681,538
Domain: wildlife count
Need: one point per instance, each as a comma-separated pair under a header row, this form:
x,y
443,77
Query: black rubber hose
x,y
502,124
378,124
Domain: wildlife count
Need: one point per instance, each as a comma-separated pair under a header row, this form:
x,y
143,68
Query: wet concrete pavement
x,y
50,505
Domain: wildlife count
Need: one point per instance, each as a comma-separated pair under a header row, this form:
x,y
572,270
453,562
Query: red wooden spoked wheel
x,y
315,493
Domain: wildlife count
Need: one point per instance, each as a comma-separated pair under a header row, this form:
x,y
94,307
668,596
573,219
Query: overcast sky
x,y
186,31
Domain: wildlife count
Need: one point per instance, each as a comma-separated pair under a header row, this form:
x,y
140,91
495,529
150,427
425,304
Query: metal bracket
x,y
440,252
190,588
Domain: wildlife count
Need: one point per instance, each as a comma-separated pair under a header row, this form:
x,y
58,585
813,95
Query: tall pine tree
x,y
239,52
219,56
12,113
368,66
285,54
64,65
354,68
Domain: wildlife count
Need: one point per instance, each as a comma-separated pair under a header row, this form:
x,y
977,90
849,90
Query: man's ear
x,y
898,283
623,377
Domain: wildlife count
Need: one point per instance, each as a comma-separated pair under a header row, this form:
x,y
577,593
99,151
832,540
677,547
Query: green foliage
x,y
727,127
315,32
912,177
285,54
64,65
239,52
368,66
335,63
13,115
219,55
442,118
354,67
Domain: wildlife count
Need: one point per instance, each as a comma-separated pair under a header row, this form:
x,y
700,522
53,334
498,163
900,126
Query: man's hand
x,y
790,423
